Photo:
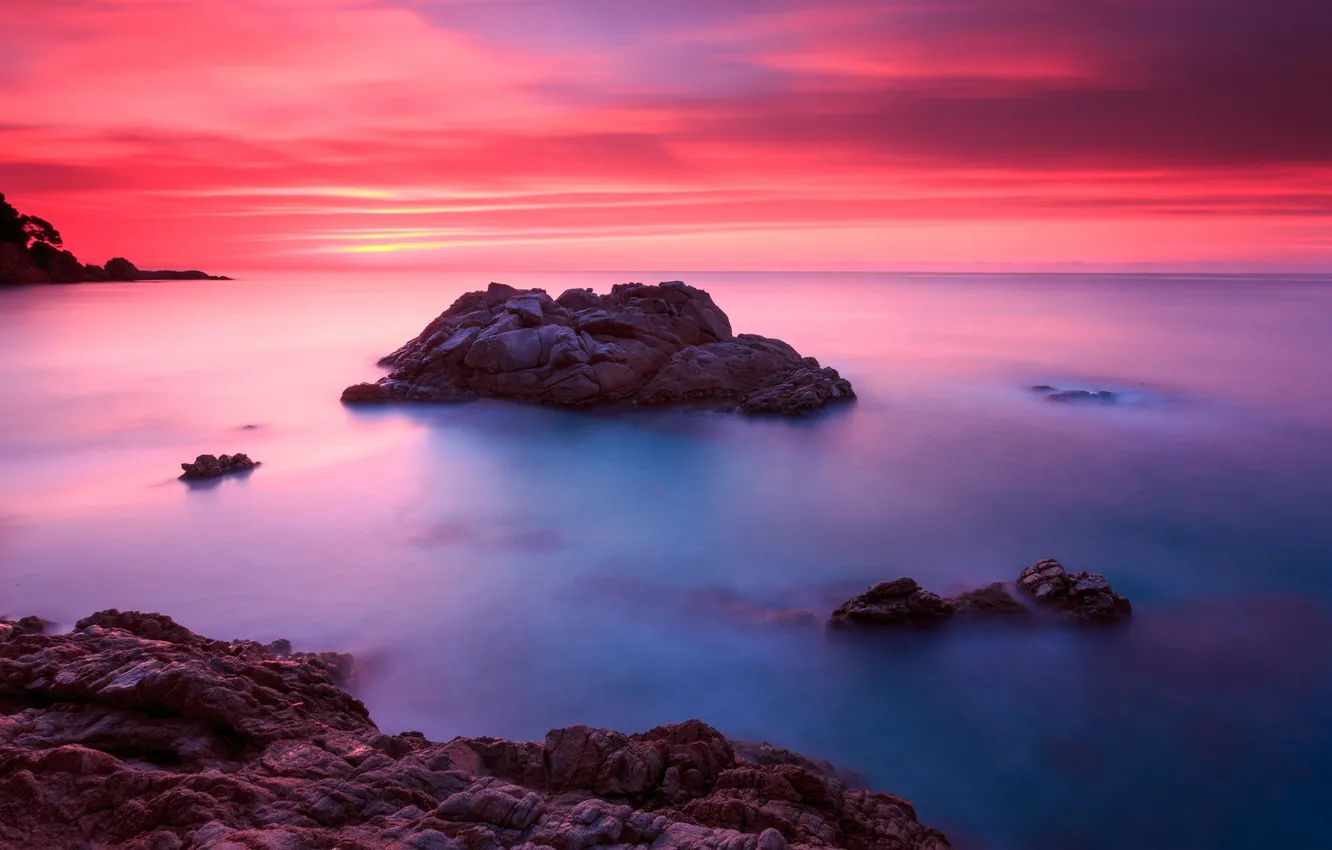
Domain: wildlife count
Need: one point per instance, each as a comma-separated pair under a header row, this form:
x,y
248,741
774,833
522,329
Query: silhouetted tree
x,y
11,225
25,230
40,230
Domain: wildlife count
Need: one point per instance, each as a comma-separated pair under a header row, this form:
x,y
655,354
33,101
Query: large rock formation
x,y
665,344
133,732
1084,598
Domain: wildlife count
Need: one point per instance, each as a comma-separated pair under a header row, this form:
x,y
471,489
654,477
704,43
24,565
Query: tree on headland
x,y
40,230
26,230
11,225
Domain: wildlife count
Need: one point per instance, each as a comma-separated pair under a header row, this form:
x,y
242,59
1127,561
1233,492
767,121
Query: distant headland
x,y
31,251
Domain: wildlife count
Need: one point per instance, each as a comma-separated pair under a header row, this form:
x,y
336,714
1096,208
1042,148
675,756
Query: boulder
x,y
892,603
642,345
210,466
134,731
1081,597
22,626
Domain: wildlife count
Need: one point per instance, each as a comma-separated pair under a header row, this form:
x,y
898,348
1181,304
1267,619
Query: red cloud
x,y
286,132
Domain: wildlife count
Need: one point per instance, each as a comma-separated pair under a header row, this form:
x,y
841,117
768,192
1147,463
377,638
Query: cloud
x,y
203,131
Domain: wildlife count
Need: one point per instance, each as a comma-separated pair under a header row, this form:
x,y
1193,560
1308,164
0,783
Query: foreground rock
x,y
134,732
1085,597
31,251
649,345
22,626
211,466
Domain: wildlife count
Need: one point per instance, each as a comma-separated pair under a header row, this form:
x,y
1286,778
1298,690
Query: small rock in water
x,y
1056,394
890,603
991,600
1084,597
210,466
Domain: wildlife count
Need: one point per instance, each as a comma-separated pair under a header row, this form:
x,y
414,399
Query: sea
x,y
500,569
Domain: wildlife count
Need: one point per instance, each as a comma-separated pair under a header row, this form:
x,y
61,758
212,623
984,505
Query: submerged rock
x,y
1084,597
132,731
647,345
1055,394
209,466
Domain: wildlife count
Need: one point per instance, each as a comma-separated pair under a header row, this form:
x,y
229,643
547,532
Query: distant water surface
x,y
503,570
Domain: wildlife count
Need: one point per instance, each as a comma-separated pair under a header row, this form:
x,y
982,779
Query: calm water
x,y
503,570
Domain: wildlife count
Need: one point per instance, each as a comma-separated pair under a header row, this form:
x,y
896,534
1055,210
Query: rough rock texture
x,y
21,626
665,344
133,732
1083,597
210,466
892,603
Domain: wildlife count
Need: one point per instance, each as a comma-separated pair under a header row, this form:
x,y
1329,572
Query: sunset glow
x,y
601,134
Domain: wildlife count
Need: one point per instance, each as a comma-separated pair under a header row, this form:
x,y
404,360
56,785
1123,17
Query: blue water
x,y
503,570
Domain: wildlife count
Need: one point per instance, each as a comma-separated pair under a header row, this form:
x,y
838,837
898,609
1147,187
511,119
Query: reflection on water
x,y
502,570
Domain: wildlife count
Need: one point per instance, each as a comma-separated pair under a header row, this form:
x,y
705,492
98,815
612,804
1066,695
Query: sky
x,y
674,134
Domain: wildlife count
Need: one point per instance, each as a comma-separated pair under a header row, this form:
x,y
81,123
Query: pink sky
x,y
523,134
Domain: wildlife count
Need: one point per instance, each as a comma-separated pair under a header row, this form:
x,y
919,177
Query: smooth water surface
x,y
502,570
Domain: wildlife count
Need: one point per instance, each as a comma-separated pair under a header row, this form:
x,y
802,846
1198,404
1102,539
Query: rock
x,y
208,466
1055,394
991,600
10,629
1083,395
133,731
893,603
642,345
1082,597
26,625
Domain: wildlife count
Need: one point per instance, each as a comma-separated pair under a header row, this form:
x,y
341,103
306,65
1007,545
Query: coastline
x,y
132,731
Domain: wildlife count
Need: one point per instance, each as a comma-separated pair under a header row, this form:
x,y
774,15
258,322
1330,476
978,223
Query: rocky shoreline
x,y
133,732
667,344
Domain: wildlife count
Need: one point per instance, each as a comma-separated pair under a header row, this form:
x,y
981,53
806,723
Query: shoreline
x,y
132,731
